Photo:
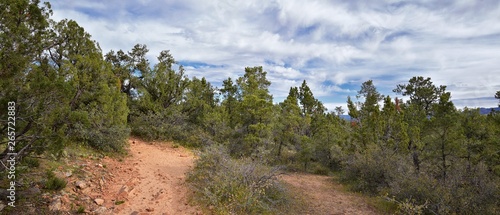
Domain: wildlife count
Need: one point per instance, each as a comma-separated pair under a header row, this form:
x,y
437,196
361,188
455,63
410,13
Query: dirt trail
x,y
323,197
151,181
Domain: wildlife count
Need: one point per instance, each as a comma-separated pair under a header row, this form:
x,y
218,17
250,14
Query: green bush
x,y
370,171
160,126
465,191
31,162
236,186
103,138
319,169
468,188
53,182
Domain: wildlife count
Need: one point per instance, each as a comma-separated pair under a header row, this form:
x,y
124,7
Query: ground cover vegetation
x,y
422,152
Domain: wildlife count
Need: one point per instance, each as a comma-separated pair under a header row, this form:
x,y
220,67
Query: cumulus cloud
x,y
333,45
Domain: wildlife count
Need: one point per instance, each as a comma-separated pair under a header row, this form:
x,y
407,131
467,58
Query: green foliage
x,y
369,172
80,210
464,192
63,89
200,100
22,40
310,105
54,183
165,125
97,111
125,66
497,96
319,169
422,92
31,162
254,106
236,186
164,86
408,206
229,92
431,157
108,139
289,123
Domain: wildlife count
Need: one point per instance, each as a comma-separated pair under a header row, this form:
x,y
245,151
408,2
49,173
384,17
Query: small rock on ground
x,y
99,201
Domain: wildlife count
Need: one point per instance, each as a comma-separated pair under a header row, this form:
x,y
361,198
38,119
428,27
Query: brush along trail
x,y
152,181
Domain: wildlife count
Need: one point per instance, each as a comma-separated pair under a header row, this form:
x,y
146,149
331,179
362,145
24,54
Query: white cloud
x,y
328,43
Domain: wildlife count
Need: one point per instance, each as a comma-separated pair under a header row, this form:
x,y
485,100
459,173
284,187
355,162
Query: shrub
x,y
31,162
371,171
103,138
53,182
80,210
319,169
408,206
236,186
467,189
160,126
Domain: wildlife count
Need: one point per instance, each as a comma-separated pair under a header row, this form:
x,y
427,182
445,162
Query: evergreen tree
x,y
130,67
394,129
445,142
255,106
96,109
477,134
423,94
229,93
289,121
23,38
310,105
163,85
497,96
199,101
63,89
368,115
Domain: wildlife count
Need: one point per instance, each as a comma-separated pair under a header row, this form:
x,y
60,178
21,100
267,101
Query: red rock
x,y
99,201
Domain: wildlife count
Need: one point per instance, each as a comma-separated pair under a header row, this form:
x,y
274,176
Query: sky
x,y
334,45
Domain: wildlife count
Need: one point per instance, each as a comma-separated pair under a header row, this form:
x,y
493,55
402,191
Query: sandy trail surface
x,y
322,196
150,181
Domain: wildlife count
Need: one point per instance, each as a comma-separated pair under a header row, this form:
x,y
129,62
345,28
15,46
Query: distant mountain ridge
x,y
484,111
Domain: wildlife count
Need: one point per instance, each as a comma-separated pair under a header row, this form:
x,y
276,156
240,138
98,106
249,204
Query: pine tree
x,y
289,121
423,95
497,96
229,93
255,106
394,129
199,100
447,133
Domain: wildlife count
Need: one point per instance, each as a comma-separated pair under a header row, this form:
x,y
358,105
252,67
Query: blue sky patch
x,y
199,65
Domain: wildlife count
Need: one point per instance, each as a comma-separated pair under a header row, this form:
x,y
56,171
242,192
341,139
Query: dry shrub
x,y
236,186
